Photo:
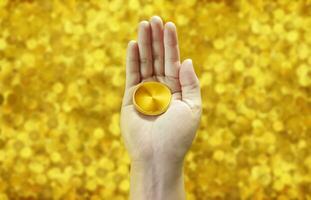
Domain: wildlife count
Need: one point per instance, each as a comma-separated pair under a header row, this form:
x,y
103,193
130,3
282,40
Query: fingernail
x,y
170,24
155,17
131,42
189,60
144,23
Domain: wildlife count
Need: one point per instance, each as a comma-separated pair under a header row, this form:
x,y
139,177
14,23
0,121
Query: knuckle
x,y
157,58
145,60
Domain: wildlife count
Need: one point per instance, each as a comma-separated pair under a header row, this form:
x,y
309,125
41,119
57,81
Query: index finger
x,y
171,50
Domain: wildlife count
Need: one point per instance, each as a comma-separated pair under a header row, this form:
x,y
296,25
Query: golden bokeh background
x,y
62,80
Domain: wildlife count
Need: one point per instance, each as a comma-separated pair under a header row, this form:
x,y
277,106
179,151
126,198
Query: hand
x,y
157,142
156,58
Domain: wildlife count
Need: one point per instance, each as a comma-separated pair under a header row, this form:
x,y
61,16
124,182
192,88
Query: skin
x,y
157,145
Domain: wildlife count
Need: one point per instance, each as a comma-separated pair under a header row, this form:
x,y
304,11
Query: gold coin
x,y
152,98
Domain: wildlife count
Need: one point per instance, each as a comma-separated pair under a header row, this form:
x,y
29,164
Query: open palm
x,y
156,58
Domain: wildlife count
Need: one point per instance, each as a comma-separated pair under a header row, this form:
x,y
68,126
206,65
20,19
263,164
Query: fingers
x,y
158,49
190,87
145,51
157,45
132,65
171,49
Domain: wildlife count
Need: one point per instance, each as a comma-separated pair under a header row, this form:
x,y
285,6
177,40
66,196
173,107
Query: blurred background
x,y
62,71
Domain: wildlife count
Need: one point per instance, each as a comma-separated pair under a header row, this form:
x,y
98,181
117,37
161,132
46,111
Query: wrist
x,y
157,180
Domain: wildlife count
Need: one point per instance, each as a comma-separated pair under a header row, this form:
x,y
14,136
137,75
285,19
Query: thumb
x,y
190,87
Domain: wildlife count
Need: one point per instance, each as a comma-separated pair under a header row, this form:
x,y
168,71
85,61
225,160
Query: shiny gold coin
x,y
152,98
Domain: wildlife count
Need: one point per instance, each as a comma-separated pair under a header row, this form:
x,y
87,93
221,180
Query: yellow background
x,y
62,80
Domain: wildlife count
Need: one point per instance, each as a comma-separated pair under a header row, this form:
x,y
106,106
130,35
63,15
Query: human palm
x,y
156,58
